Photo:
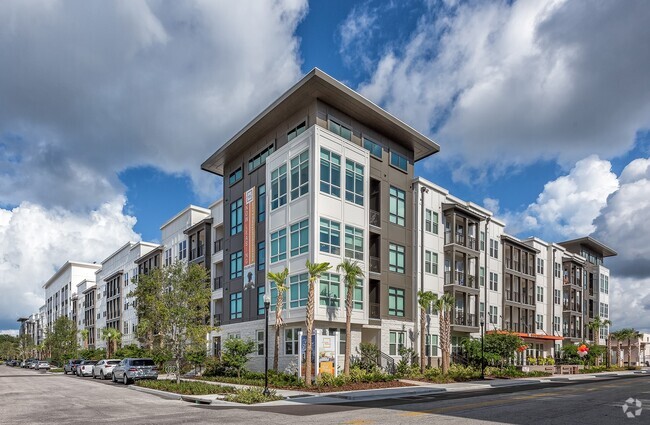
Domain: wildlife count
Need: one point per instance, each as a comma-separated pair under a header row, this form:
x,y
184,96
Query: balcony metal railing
x,y
456,278
471,243
217,245
375,218
375,311
217,282
375,265
461,319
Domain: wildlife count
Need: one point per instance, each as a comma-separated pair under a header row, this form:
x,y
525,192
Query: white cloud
x,y
37,241
12,332
96,87
356,33
630,303
503,84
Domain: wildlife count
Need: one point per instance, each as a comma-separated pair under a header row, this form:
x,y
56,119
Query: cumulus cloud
x,y
505,84
91,88
630,302
38,241
356,34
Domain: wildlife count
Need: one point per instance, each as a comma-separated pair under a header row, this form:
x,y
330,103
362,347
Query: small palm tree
x,y
351,272
619,336
112,336
280,280
595,326
315,271
630,335
425,299
445,305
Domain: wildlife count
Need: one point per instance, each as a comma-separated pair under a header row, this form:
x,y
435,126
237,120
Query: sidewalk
x,y
419,388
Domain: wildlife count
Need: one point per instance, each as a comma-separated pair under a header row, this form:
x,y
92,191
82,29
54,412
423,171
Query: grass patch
x,y
252,396
186,387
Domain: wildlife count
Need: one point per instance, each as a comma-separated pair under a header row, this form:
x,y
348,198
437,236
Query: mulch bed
x,y
360,386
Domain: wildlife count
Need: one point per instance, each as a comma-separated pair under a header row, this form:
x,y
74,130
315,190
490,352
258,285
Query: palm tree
x,y
84,337
315,271
280,280
619,335
351,272
112,336
445,305
630,335
595,326
425,299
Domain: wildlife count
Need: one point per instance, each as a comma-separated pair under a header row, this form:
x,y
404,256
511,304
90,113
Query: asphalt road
x,y
29,397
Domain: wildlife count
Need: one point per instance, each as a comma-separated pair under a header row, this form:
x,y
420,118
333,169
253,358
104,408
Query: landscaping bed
x,y
185,387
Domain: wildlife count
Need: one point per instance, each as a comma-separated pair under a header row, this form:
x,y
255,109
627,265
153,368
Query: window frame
x,y
328,170
299,175
354,182
238,271
356,235
397,251
238,299
236,216
399,161
325,285
278,239
373,147
236,176
397,199
301,230
328,231
395,295
279,192
301,282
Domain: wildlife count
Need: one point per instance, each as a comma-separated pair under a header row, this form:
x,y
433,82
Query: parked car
x,y
129,370
71,366
85,368
42,365
32,364
24,364
104,368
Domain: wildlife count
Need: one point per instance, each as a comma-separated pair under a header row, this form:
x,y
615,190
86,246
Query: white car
x,y
42,365
85,368
104,368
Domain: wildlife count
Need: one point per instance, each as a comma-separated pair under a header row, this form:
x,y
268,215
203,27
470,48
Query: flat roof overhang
x,y
318,85
591,243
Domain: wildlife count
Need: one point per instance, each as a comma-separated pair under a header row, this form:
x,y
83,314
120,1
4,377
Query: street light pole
x,y
267,304
482,351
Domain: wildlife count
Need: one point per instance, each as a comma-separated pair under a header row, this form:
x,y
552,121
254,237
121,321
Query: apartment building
x,y
217,276
62,287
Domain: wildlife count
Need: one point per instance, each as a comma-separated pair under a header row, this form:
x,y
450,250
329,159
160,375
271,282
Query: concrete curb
x,y
163,394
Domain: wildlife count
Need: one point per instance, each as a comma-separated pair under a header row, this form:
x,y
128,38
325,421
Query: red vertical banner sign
x,y
250,249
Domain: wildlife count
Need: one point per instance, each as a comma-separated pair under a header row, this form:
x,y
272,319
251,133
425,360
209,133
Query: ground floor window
x,y
431,346
260,342
397,341
291,341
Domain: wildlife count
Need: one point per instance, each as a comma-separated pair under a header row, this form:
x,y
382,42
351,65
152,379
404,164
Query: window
x,y
299,288
354,243
357,295
274,298
540,322
261,255
330,236
540,266
481,309
261,291
397,160
353,182
540,294
260,158
278,187
168,257
330,290
330,172
299,175
374,148
604,284
395,302
236,267
182,250
431,222
291,341
296,131
342,334
260,342
235,305
494,314
604,310
396,342
396,258
235,176
278,246
494,282
236,216
397,206
431,347
557,295
261,203
494,248
557,270
299,238
557,323
340,130
482,241
430,262
481,276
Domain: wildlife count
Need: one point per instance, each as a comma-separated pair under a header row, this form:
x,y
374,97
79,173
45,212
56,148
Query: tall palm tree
x,y
112,336
315,271
280,280
351,272
444,306
595,326
425,299
619,335
631,334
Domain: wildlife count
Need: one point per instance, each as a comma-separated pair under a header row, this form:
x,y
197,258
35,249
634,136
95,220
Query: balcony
x,y
375,265
375,311
461,319
217,245
216,319
217,283
461,279
375,218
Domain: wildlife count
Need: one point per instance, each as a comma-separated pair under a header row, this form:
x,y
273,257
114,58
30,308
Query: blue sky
x,y
541,109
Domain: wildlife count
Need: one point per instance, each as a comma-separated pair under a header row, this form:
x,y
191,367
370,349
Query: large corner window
x,y
278,246
353,182
330,172
279,187
299,238
299,175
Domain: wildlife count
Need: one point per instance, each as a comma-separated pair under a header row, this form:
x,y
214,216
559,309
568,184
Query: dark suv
x,y
135,369
71,366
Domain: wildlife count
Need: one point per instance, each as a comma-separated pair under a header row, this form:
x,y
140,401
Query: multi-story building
x,y
321,175
634,352
216,274
62,286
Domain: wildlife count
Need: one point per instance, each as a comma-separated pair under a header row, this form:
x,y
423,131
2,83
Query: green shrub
x,y
213,367
235,354
186,387
252,396
435,375
463,373
513,372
